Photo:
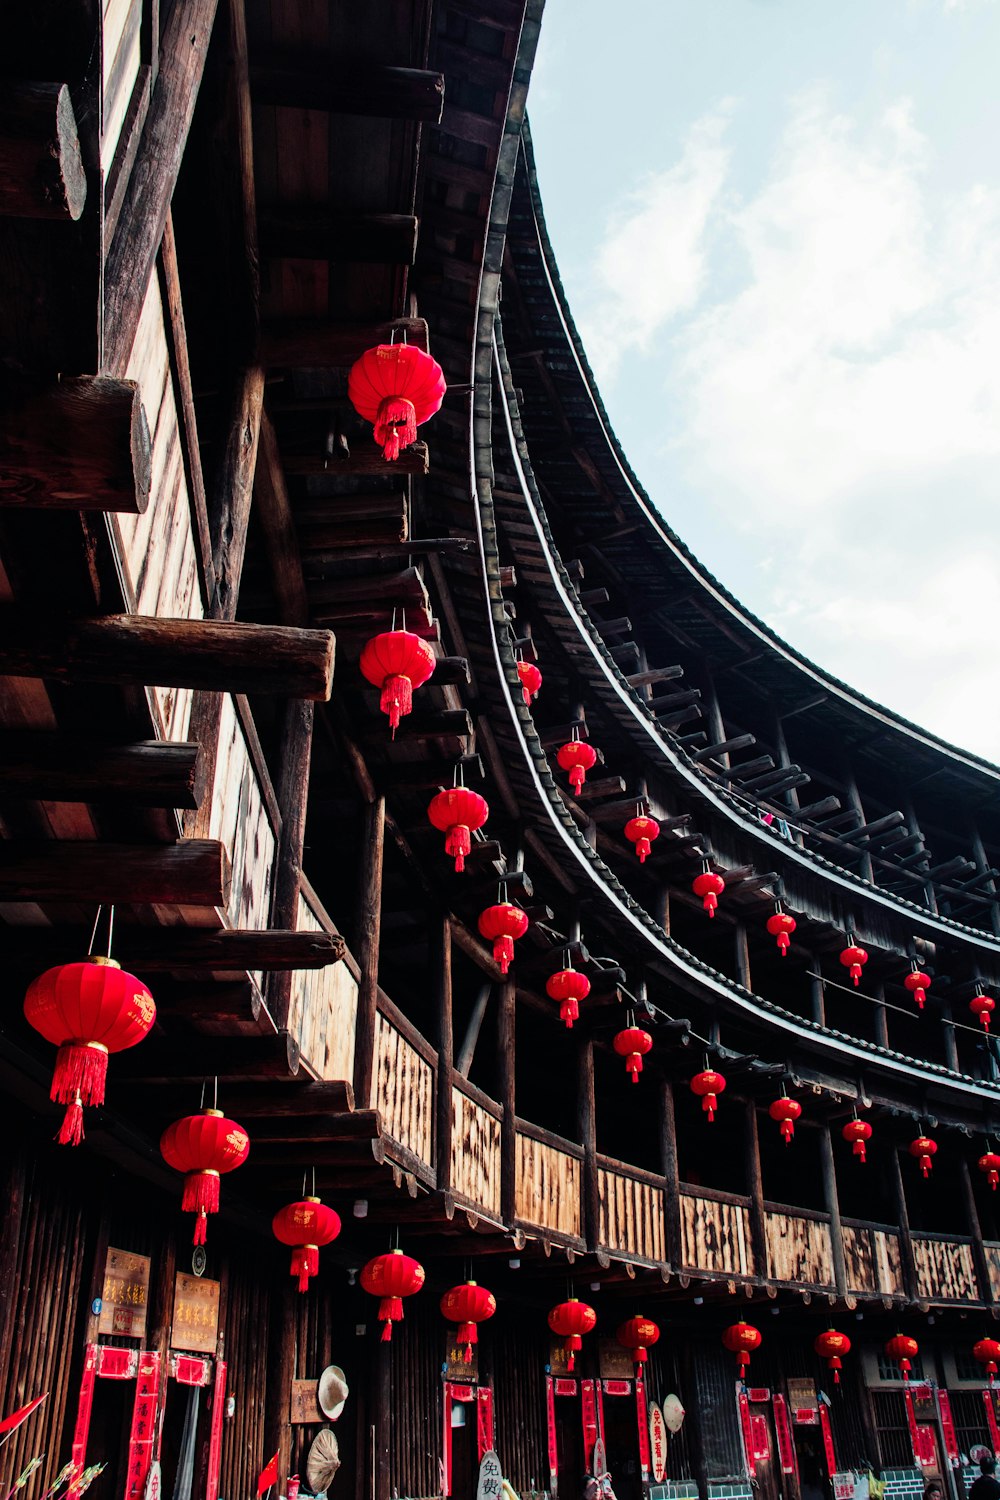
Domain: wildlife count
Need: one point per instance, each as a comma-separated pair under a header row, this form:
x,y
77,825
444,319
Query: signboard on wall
x,y
614,1362
125,1294
195,1322
657,1442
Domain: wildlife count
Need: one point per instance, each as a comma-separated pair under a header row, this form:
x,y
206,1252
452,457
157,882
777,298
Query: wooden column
x,y
369,937
903,1220
976,1230
506,1040
441,951
467,1051
586,1115
293,797
14,1189
817,997
758,1225
832,1198
671,1174
881,1017
280,1373
661,907
234,492
382,1417
161,1309
948,1037
742,949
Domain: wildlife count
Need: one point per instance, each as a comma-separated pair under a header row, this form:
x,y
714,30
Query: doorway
x,y
815,1483
569,1442
621,1442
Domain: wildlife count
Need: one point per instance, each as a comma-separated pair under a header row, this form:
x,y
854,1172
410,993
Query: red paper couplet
x,y
783,1433
747,1428
550,1423
446,1444
991,1420
81,1429
215,1432
143,1431
588,1409
948,1427
642,1418
484,1420
824,1427
911,1422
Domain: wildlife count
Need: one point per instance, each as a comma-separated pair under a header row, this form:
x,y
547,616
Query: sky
x,y
778,226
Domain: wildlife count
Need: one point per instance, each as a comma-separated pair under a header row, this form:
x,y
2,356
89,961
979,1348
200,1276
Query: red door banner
x,y
617,1387
948,1428
747,1430
658,1442
761,1440
78,1451
991,1421
143,1431
824,1427
911,1422
564,1387
783,1433
446,1442
484,1422
642,1418
588,1409
600,1410
550,1426
215,1432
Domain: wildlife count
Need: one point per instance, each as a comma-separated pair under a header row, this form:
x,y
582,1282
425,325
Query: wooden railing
x,y
403,1084
799,1248
323,1004
548,1187
944,1268
475,1148
630,1211
872,1259
715,1232
991,1250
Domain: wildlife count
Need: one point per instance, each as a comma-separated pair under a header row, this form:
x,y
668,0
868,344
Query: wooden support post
x,y
976,1230
467,1051
280,1374
382,1418
369,939
63,768
41,168
758,1223
671,1174
161,1307
903,1220
948,1037
832,1199
349,88
83,444
661,907
274,511
14,1193
441,949
742,956
192,872
586,1107
506,1040
230,516
143,650
881,1016
293,798
817,999
320,344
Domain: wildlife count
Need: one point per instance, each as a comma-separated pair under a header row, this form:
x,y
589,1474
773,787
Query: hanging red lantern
x,y
781,926
396,387
708,1086
457,813
305,1226
989,1165
577,757
902,1350
531,680
392,1277
982,1008
987,1353
854,958
633,1043
638,1334
203,1147
742,1339
785,1111
710,887
642,831
856,1133
568,987
396,662
570,1321
830,1346
468,1305
502,925
923,1148
87,1010
918,984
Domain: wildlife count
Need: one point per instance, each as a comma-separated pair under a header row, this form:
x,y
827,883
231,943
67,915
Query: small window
x,y
889,1370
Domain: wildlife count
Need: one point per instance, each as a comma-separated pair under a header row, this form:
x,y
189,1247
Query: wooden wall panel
x,y
944,1270
246,1335
475,1152
120,57
403,1091
715,1236
992,1250
798,1249
630,1214
548,1187
323,1016
239,819
888,1262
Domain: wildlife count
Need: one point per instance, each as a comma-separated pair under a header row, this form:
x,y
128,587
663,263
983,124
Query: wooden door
x,y
765,1451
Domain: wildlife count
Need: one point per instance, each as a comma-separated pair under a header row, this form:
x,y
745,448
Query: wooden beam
x,y
349,88
369,937
83,444
246,1057
192,872
662,674
365,457
371,239
67,768
156,950
41,169
293,797
281,1100
318,343
274,511
230,514
142,650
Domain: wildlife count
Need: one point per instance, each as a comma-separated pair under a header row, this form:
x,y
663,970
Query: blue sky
x,y
778,223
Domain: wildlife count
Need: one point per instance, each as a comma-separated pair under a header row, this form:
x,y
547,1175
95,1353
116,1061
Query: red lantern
x,y
710,887
396,662
569,1321
633,1043
568,987
924,1148
856,1133
785,1111
638,1334
982,1008
203,1147
468,1305
987,1353
577,758
87,1010
742,1339
830,1346
990,1166
918,984
642,832
708,1085
501,925
305,1226
854,958
396,386
457,813
392,1277
781,926
531,680
901,1350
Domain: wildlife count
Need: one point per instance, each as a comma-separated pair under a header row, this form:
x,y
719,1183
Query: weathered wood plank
x,y
191,872
41,167
84,444
60,768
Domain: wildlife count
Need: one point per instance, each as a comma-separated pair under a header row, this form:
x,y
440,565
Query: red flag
x,y
16,1418
268,1475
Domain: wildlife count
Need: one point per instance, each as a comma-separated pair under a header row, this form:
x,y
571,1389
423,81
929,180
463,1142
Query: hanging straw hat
x,y
332,1392
323,1461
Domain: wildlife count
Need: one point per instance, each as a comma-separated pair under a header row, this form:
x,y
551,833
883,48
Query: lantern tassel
x,y
468,1336
859,1150
993,1178
569,1012
710,903
201,1197
390,1310
642,848
80,1073
71,1129
305,1263
396,700
572,1344
503,952
784,943
458,844
395,426
577,777
634,1065
709,1104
